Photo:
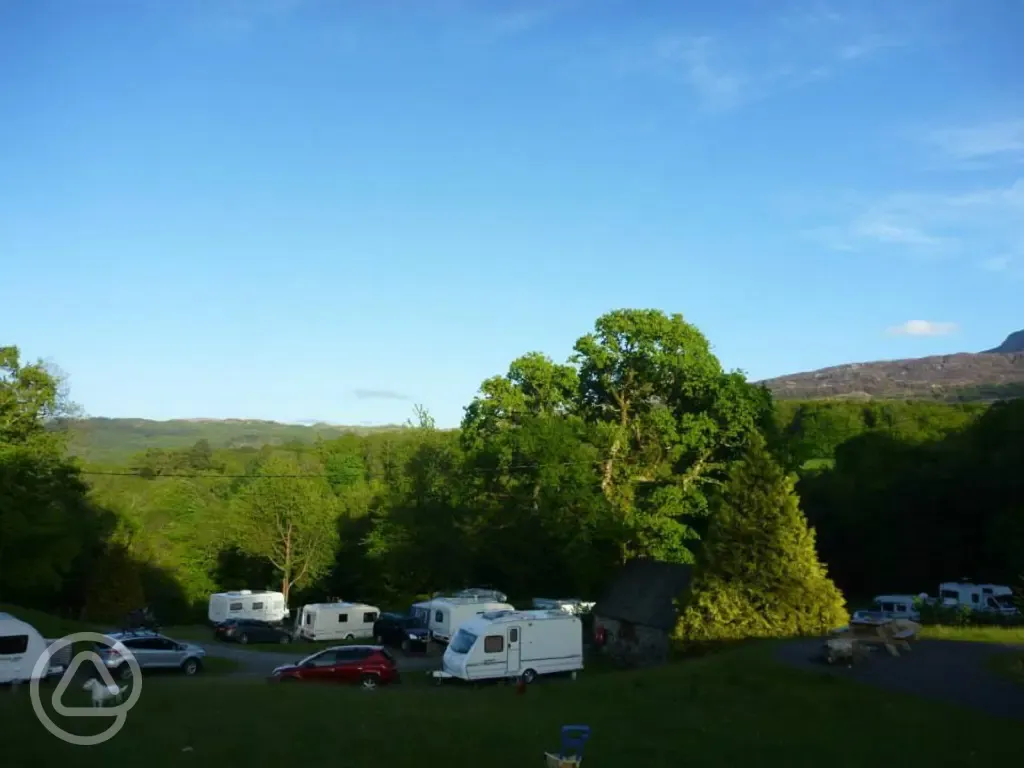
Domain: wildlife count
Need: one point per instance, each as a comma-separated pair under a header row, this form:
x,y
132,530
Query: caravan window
x,y
235,607
342,618
462,642
494,644
949,594
439,617
12,644
369,618
257,606
974,598
513,635
309,618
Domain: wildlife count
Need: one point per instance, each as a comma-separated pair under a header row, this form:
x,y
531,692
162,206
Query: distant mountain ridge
x,y
963,377
1013,343
108,440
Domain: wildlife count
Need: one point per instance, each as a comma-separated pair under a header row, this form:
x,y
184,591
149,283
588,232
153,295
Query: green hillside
x,y
102,440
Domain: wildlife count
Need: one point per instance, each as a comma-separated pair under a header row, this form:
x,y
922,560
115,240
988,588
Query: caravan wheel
x,y
350,636
529,676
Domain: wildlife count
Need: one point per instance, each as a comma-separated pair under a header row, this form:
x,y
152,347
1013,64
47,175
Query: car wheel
x,y
405,646
378,639
243,639
529,676
285,639
369,682
124,672
190,667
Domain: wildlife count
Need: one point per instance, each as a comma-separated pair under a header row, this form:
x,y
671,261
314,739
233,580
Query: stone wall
x,y
633,644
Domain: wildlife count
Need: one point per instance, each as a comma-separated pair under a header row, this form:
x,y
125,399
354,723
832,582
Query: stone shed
x,y
633,622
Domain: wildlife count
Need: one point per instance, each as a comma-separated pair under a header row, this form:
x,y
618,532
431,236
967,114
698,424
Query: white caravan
x,y
247,604
978,597
336,621
567,604
514,644
898,606
21,646
442,616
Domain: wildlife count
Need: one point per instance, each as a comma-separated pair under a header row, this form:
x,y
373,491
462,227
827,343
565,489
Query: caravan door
x,y
513,636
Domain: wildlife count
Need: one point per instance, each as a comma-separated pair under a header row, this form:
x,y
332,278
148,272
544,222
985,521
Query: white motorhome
x,y
21,647
247,604
978,597
336,621
509,644
442,616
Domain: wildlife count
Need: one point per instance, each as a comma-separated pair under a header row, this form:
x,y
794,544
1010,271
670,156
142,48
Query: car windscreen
x,y
462,641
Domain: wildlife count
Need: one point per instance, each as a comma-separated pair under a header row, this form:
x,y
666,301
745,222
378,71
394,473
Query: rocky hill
x,y
966,377
1014,343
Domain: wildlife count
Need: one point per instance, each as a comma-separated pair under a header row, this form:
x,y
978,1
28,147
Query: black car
x,y
403,631
251,631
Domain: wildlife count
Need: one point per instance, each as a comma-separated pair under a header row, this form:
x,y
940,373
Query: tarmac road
x,y
262,663
947,670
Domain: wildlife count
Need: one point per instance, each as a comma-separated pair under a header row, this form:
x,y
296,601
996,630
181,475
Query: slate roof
x,y
644,592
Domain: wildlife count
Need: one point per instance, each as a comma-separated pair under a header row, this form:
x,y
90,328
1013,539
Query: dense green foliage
x,y
758,574
559,472
814,430
896,515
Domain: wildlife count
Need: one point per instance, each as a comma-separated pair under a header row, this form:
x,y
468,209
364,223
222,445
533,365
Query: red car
x,y
365,665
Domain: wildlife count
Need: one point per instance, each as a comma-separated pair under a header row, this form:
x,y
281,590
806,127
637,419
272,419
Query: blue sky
x,y
299,209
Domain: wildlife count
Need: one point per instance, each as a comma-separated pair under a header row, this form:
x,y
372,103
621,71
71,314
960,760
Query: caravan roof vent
x,y
490,615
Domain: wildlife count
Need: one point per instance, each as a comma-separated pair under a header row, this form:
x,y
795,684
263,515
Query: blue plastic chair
x,y
574,738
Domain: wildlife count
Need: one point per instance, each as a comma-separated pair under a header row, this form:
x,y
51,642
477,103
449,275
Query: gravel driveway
x,y
262,663
945,670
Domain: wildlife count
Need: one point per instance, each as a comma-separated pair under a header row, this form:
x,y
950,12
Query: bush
x,y
758,574
963,616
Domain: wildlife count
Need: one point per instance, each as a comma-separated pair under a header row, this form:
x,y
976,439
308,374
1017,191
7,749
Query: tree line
x,y
640,444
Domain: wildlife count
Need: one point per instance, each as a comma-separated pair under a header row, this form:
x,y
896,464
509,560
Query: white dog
x,y
101,693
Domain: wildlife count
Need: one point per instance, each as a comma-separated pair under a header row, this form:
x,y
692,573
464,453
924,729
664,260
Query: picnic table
x,y
867,632
888,633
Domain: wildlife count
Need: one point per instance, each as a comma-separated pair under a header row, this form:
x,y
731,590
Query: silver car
x,y
151,650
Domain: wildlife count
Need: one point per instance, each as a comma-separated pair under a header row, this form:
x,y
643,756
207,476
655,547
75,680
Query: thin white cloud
x,y
922,328
715,86
234,20
525,19
970,223
997,263
997,141
379,394
885,230
864,47
725,72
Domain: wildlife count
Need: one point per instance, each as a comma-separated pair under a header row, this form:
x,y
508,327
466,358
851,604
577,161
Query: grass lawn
x,y
1006,635
735,708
